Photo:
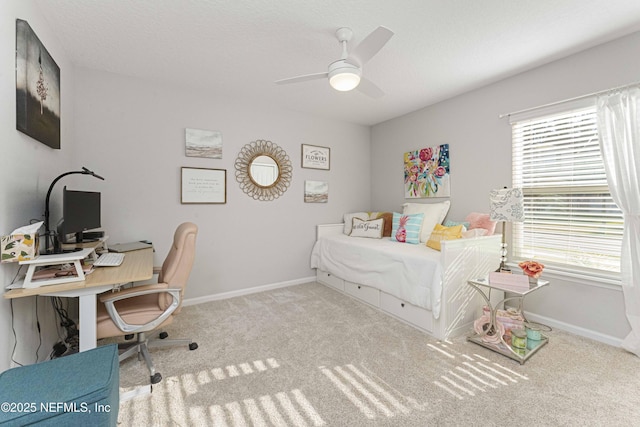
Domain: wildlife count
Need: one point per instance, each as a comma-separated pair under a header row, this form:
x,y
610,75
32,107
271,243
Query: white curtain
x,y
619,129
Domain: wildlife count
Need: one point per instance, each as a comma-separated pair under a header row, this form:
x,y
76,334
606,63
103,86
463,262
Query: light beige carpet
x,y
309,356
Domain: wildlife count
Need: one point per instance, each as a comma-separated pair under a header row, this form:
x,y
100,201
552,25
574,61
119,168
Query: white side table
x,y
483,287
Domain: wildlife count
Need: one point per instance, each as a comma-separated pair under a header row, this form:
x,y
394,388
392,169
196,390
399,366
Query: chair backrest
x,y
177,265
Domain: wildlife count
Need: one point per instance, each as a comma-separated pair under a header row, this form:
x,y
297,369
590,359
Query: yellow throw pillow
x,y
440,232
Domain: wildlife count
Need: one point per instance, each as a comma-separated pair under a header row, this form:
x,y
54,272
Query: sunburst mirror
x,y
263,170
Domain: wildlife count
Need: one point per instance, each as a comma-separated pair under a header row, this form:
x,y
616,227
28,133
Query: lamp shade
x,y
506,204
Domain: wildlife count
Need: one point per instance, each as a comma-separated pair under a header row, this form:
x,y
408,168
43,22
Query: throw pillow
x,y
371,228
406,228
388,219
434,213
348,220
440,232
449,223
481,220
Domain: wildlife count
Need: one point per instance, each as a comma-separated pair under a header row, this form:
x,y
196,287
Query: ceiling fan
x,y
345,74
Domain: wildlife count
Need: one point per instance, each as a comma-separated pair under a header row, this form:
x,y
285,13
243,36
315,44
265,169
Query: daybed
x,y
412,282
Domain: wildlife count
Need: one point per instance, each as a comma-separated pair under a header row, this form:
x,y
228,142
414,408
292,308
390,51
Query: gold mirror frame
x,y
248,154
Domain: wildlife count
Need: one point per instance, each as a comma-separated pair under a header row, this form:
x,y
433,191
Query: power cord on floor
x,y
70,343
66,345
39,331
13,329
15,337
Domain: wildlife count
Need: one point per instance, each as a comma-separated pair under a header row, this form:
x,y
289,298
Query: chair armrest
x,y
110,299
133,291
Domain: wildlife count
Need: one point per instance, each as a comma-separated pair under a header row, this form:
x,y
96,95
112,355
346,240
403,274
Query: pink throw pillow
x,y
481,220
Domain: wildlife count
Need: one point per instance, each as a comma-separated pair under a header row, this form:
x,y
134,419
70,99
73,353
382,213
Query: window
x,y
571,222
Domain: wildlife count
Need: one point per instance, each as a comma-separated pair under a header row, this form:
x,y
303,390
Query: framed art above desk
x,y
202,185
137,266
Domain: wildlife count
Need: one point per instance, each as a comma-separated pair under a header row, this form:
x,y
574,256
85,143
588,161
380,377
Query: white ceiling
x,y
238,48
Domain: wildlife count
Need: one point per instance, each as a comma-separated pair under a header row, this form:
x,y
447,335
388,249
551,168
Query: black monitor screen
x,y
80,211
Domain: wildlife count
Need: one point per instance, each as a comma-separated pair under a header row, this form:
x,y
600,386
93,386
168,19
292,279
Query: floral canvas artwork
x,y
426,172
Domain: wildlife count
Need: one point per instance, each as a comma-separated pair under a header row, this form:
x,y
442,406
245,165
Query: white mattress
x,y
410,272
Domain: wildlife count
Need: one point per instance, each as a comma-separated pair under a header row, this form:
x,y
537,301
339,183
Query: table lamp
x,y
507,205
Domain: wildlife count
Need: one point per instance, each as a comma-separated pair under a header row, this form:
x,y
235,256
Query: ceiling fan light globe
x,y
344,81
344,76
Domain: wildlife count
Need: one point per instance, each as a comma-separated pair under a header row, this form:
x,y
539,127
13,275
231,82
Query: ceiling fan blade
x,y
303,78
370,46
370,89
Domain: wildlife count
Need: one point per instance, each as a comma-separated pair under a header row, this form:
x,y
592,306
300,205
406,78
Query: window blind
x,y
571,221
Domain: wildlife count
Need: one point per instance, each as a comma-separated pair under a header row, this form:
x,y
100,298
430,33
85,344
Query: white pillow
x,y
475,232
348,220
434,213
367,228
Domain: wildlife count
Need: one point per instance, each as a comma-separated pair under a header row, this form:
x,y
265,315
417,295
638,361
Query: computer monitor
x,y
80,212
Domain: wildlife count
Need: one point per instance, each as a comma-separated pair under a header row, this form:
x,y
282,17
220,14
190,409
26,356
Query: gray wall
x,y
132,133
28,167
480,146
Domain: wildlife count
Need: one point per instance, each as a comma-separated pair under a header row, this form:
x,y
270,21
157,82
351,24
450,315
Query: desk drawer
x,y
365,293
417,316
329,279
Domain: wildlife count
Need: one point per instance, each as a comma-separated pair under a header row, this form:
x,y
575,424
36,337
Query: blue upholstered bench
x,y
81,389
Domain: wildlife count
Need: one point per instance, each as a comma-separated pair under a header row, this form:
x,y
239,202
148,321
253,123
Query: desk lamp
x,y
48,233
507,204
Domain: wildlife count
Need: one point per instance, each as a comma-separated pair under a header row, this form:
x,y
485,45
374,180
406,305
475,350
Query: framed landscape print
x,y
316,192
37,88
426,172
314,157
201,185
203,143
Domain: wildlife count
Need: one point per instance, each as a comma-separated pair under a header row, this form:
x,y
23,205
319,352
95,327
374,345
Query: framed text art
x,y
37,88
314,157
426,172
201,185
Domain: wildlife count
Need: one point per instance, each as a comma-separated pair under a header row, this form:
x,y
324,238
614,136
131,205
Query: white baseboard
x,y
247,291
576,330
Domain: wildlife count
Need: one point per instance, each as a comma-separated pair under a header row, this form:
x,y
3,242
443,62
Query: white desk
x,y
137,265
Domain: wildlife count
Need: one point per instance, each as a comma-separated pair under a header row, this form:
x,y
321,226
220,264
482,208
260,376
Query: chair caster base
x,y
163,335
193,346
156,378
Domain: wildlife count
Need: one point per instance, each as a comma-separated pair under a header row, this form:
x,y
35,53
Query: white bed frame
x,y
462,259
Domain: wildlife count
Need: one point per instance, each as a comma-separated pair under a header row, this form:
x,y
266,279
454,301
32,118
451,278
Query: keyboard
x,y
109,259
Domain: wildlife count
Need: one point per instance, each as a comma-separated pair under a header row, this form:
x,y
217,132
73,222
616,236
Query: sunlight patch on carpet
x,y
442,351
384,393
473,375
237,370
281,409
265,412
255,414
367,394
